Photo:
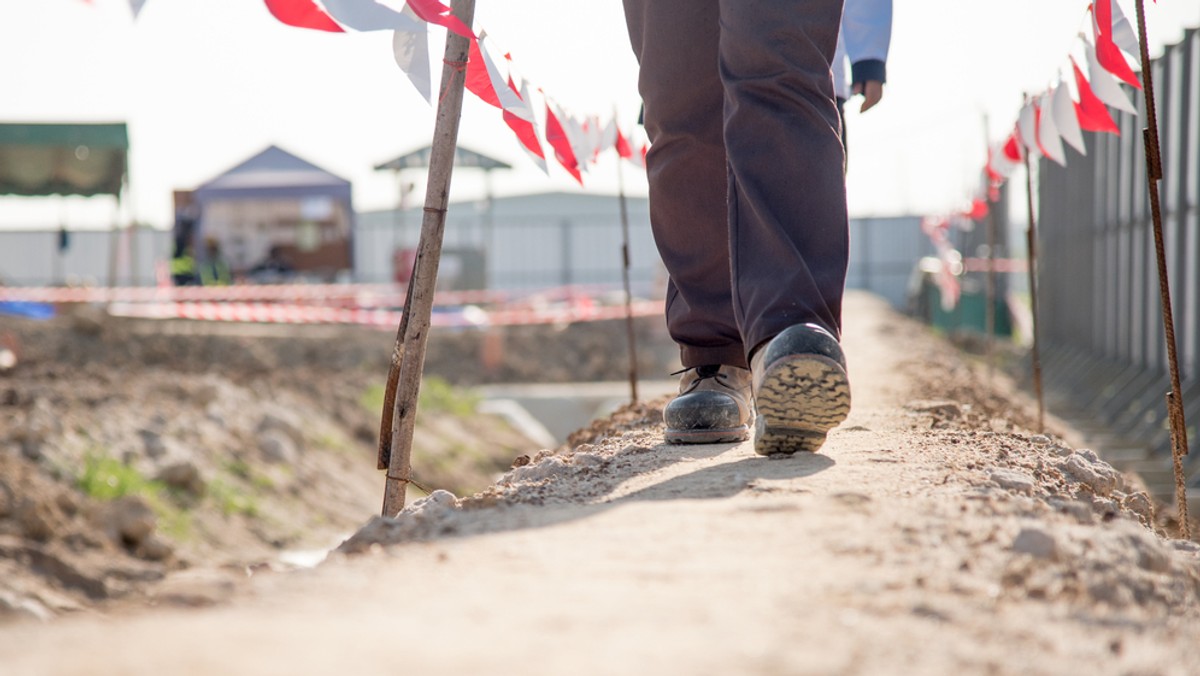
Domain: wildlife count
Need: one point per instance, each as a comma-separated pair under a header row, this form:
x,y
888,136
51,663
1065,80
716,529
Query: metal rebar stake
x,y
1031,243
1175,410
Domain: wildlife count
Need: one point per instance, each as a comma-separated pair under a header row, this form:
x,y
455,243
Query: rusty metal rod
x,y
419,309
1175,410
629,334
1031,243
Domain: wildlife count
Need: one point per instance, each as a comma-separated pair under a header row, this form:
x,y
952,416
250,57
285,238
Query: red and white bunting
x,y
1048,139
1108,54
1092,113
556,136
1105,87
1062,110
302,14
1027,130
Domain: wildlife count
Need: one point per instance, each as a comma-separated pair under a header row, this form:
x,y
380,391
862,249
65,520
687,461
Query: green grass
x,y
231,499
436,395
106,478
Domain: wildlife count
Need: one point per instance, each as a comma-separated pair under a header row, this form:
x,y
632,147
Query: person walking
x,y
748,210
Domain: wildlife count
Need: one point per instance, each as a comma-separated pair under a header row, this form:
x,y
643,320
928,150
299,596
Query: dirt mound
x,y
128,459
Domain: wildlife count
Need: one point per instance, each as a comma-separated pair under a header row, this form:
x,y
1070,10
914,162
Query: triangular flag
x,y
526,129
1091,111
411,50
1105,87
368,15
1012,147
478,81
624,150
577,136
1027,128
302,14
1000,165
509,99
557,138
1107,52
1122,33
608,136
1063,111
436,13
136,7
1049,142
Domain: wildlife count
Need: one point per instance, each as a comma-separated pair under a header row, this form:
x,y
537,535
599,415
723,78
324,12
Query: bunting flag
x,y
478,81
1105,87
438,14
1048,139
509,99
1107,52
624,150
1012,147
1027,130
1092,113
1066,119
1123,33
368,15
526,128
136,6
556,136
302,14
411,51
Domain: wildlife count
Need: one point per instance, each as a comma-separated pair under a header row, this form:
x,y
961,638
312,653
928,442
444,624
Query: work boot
x,y
800,390
713,406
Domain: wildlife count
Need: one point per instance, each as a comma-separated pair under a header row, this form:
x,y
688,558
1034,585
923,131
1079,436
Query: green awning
x,y
63,159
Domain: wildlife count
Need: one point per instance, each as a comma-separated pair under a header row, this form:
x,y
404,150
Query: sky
x,y
205,84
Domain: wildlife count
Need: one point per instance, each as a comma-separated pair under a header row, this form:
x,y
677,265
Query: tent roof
x,y
274,173
38,159
462,158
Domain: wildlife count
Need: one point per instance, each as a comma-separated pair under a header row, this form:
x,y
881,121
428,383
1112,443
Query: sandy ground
x,y
933,535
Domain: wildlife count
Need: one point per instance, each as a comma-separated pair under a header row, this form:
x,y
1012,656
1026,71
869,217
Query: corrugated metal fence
x,y
1100,312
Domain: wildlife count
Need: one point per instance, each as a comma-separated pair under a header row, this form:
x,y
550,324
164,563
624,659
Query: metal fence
x,y
1099,292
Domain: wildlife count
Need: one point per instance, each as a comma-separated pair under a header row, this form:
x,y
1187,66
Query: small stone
x,y
130,520
1013,480
1037,543
153,444
183,476
154,548
277,447
37,520
1094,474
1140,503
7,499
1039,440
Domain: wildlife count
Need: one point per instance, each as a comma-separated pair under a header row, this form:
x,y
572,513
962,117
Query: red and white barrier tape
x,y
277,313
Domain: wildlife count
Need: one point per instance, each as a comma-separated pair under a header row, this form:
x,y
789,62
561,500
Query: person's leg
x,y
676,42
787,198
787,213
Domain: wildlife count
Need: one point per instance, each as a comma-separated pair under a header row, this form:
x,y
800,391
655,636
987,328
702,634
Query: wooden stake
x,y
414,328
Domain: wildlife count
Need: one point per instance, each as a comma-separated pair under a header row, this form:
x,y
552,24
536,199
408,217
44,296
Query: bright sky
x,y
204,84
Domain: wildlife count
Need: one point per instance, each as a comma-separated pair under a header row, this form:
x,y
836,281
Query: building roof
x,y
462,158
274,173
63,159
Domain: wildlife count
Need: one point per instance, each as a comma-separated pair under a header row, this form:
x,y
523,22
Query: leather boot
x,y
801,390
713,406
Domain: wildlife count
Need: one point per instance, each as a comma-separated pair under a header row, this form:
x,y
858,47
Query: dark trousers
x,y
747,193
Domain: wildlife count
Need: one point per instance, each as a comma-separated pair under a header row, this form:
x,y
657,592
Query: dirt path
x,y
931,536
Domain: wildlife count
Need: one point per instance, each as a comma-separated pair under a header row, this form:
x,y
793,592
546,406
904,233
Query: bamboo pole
x,y
1175,410
413,333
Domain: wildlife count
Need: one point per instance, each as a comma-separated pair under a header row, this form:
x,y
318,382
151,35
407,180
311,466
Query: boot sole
x,y
718,436
800,399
